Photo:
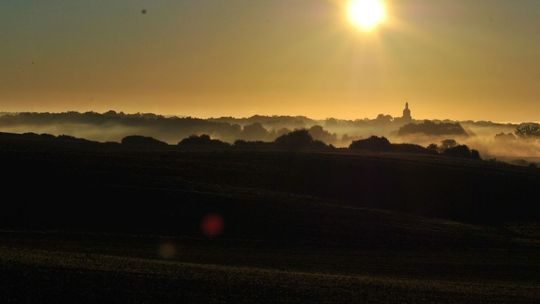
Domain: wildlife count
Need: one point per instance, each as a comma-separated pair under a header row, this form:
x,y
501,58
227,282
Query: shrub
x,y
299,140
143,141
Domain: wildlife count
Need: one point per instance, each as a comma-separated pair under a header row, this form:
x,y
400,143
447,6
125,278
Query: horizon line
x,y
264,115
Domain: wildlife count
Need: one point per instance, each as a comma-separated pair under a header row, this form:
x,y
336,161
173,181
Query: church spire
x,y
407,112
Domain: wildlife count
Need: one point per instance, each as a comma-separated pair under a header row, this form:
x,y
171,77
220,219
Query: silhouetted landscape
x,y
516,143
204,220
278,151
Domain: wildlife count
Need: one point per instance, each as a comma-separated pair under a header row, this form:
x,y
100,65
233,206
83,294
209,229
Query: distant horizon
x,y
264,114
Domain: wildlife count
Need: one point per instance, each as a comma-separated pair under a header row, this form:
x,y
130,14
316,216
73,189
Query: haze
x,y
454,59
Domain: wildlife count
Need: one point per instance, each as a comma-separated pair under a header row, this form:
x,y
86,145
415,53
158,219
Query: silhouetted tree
x,y
433,147
373,143
411,148
299,140
142,141
462,151
528,130
475,154
318,133
72,139
383,119
254,131
431,128
44,136
202,142
382,144
331,122
448,144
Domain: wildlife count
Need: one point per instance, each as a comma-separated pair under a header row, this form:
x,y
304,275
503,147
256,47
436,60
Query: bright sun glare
x,y
366,14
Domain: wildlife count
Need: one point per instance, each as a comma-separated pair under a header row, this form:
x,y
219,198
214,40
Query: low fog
x,y
493,140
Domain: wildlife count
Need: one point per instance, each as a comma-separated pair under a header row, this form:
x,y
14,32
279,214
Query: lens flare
x,y
212,225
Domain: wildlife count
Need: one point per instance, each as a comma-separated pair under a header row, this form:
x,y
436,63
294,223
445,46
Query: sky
x,y
456,59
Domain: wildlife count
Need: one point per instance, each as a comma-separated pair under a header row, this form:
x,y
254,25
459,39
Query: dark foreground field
x,y
93,223
56,268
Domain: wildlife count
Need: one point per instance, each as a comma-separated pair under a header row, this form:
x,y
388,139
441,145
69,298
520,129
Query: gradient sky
x,y
458,59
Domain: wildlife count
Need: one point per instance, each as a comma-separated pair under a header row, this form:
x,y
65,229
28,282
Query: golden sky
x,y
456,59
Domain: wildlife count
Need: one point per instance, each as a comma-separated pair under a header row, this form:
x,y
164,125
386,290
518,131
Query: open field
x,y
97,223
122,269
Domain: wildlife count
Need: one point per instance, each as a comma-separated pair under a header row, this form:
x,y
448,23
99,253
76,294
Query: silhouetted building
x,y
407,117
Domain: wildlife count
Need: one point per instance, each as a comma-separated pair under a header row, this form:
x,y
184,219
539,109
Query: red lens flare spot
x,y
212,225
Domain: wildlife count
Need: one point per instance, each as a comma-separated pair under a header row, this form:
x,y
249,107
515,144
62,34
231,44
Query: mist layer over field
x,y
113,126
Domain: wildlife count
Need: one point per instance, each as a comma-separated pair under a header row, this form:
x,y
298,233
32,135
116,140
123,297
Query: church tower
x,y
407,113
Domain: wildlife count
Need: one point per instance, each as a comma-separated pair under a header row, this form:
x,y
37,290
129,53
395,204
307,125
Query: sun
x,y
366,14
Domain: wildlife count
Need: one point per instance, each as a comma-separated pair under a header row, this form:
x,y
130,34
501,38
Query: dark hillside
x,y
53,184
84,222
